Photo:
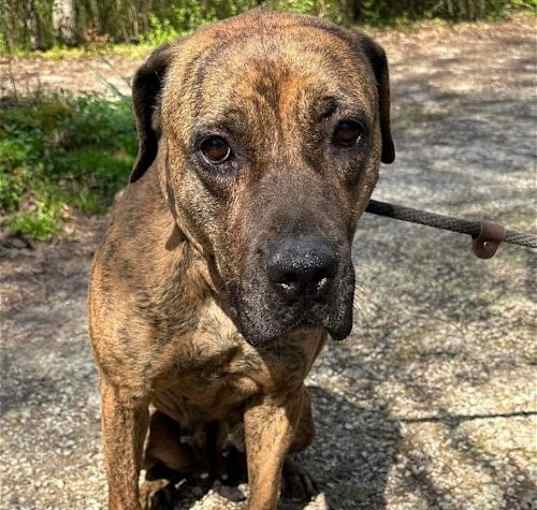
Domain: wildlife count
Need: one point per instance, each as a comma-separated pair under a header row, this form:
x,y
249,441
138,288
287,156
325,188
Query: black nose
x,y
301,267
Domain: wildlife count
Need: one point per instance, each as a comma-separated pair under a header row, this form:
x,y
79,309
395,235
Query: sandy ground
x,y
432,402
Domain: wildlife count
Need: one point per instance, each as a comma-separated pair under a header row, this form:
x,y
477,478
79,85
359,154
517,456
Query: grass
x,y
60,153
93,50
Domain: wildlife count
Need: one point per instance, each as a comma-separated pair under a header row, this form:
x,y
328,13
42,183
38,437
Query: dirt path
x,y
431,404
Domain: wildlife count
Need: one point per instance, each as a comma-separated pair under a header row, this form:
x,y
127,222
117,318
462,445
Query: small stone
x,y
198,492
232,493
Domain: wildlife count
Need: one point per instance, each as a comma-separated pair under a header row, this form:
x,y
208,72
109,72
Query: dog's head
x,y
267,131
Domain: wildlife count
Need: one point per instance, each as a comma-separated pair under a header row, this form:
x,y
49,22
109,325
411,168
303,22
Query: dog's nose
x,y
301,267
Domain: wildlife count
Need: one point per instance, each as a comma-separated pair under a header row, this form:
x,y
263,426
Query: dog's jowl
x,y
227,264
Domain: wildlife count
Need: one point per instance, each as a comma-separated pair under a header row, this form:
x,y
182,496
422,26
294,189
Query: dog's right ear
x,y
146,90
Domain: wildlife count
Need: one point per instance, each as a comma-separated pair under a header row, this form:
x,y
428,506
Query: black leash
x,y
486,236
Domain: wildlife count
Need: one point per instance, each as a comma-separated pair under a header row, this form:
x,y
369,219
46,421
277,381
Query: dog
x,y
227,263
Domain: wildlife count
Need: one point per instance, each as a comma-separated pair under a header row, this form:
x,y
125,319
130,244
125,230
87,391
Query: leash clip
x,y
490,237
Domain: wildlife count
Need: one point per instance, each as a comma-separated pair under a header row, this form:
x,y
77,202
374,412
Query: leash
x,y
486,235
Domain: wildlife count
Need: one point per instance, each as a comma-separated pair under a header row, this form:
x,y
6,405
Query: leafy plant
x,y
160,31
60,152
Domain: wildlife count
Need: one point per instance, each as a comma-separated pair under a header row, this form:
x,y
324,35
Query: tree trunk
x,y
63,20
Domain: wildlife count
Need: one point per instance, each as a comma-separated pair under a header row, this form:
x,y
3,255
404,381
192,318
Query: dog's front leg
x,y
269,427
124,426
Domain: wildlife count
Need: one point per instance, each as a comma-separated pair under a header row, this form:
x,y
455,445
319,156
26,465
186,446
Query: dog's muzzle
x,y
295,283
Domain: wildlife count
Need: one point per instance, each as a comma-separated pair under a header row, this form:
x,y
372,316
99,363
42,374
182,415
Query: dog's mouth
x,y
269,331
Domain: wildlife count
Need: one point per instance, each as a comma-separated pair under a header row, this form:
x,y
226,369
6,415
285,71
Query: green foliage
x,y
389,11
40,223
185,16
300,6
59,152
529,5
3,44
188,15
159,32
338,11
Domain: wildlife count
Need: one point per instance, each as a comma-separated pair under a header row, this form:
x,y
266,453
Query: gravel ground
x,y
432,402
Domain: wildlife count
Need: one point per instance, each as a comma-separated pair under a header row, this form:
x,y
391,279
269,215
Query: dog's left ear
x,y
146,89
379,63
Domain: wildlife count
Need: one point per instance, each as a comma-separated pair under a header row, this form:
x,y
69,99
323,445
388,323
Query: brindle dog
x,y
228,260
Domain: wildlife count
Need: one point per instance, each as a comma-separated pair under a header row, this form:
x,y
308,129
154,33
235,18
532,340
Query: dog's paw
x,y
159,471
297,484
158,495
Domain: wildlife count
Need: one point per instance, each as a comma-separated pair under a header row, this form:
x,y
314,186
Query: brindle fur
x,y
181,316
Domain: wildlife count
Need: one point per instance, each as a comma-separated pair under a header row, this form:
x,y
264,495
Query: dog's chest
x,y
215,370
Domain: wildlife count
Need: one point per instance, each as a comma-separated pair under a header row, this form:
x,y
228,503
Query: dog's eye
x,y
215,150
347,133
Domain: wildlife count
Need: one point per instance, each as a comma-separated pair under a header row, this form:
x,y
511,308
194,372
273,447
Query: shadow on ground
x,y
353,452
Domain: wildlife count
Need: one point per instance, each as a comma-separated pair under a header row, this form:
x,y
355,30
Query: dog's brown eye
x,y
215,149
347,133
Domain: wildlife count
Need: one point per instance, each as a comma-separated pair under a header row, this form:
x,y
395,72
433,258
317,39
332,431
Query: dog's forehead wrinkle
x,y
268,84
227,119
284,56
279,116
304,43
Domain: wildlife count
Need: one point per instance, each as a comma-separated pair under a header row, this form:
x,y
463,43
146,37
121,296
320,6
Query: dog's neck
x,y
187,263
173,267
